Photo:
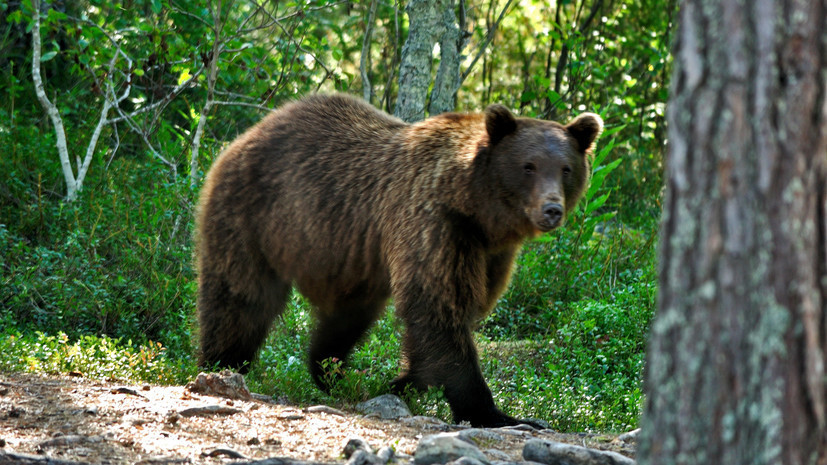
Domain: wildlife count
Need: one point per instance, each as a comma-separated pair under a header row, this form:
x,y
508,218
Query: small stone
x,y
208,410
253,442
324,409
495,454
2,442
480,437
224,384
386,407
385,454
631,436
223,452
423,422
263,398
512,462
557,453
363,457
444,448
355,444
465,461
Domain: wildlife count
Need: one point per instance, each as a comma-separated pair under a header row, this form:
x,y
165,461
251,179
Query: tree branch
x,y
484,45
50,108
364,60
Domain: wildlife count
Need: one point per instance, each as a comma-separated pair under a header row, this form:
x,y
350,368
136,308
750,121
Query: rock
x,y
208,410
557,453
363,457
517,433
324,409
497,455
25,459
126,390
480,437
68,441
444,448
263,398
465,461
423,422
385,454
512,462
631,436
274,461
223,452
224,384
356,444
386,407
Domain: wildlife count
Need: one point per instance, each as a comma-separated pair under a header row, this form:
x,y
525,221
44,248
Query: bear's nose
x,y
553,212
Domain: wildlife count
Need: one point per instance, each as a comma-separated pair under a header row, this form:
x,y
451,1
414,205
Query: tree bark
x,y
447,81
424,19
735,371
364,59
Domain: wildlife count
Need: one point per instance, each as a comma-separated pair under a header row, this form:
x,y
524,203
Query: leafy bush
x,y
118,262
91,356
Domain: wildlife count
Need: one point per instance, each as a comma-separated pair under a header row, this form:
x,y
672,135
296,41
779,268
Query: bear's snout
x,y
552,216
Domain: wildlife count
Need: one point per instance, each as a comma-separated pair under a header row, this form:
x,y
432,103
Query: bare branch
x,y
166,99
364,61
50,108
241,104
484,45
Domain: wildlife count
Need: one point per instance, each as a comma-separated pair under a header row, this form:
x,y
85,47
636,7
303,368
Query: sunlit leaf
x,y
48,56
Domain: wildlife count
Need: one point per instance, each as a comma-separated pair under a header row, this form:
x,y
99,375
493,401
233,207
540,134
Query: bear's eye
x,y
566,171
529,168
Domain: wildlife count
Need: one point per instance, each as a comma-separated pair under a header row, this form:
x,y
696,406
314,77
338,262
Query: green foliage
x,y
281,368
91,356
116,263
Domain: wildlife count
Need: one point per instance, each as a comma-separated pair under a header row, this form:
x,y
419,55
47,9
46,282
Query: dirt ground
x,y
76,419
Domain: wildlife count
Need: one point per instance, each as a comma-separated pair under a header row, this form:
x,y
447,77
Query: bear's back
x,y
309,176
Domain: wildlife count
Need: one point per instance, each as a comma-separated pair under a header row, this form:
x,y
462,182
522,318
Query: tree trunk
x,y
447,81
364,59
736,370
424,19
430,21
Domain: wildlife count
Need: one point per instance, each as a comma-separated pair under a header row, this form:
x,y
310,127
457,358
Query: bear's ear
x,y
499,122
585,129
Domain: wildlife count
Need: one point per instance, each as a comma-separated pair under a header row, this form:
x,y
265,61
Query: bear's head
x,y
542,167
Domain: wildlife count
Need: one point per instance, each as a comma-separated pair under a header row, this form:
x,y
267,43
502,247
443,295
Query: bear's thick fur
x,y
353,206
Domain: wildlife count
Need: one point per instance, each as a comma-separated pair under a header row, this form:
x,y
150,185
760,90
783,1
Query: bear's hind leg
x,y
233,326
337,332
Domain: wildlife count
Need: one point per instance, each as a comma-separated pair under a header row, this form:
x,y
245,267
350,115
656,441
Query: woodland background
x,y
101,281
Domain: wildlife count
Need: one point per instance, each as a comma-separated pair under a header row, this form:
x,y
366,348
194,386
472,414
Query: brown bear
x,y
353,206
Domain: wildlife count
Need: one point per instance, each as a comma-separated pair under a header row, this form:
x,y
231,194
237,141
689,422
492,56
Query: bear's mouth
x,y
545,225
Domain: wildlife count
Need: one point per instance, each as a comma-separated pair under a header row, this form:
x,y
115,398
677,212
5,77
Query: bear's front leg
x,y
447,357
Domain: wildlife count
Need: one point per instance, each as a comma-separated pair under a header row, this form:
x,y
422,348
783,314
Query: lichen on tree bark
x,y
736,359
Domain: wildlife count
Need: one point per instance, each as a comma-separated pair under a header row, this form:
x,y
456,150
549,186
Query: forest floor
x,y
74,419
